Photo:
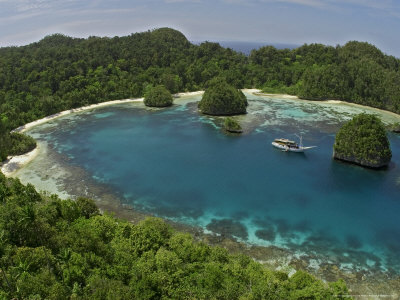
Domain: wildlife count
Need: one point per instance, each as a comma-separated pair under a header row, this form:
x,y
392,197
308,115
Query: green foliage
x,y
276,87
305,286
5,141
64,249
21,143
220,98
232,125
395,127
87,207
158,96
363,141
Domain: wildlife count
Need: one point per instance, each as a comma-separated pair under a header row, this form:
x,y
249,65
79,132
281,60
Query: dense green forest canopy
x,y
64,249
61,72
363,140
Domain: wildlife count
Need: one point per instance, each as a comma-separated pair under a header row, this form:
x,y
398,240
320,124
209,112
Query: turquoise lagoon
x,y
177,164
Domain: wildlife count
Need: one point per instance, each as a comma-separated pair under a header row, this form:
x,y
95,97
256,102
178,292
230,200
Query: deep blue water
x,y
177,164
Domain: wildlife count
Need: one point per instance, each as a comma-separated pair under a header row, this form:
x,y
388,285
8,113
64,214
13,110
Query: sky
x,y
330,22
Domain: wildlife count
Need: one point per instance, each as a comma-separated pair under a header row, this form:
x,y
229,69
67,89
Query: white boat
x,y
288,145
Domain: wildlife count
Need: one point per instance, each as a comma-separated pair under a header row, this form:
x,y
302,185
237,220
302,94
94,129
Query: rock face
x,y
363,141
222,99
158,96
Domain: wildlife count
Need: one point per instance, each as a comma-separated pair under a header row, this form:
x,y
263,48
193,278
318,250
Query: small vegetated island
x,y
222,99
231,125
158,96
363,141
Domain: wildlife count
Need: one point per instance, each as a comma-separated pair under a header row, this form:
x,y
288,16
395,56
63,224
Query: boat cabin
x,y
286,142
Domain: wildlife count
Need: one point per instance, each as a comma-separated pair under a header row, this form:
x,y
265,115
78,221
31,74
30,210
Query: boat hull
x,y
291,149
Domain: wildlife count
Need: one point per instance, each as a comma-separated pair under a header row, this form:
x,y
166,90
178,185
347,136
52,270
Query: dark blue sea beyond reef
x,y
177,164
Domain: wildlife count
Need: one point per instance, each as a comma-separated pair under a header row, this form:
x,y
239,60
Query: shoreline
x,y
13,163
330,101
23,128
271,256
28,126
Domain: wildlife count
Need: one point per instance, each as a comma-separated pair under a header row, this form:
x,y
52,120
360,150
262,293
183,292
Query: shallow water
x,y
177,164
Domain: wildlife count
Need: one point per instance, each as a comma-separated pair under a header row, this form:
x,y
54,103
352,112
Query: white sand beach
x,y
283,96
251,91
25,127
13,163
189,94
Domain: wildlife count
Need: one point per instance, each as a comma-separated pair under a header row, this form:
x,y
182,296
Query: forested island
x,y
221,99
158,96
363,141
60,72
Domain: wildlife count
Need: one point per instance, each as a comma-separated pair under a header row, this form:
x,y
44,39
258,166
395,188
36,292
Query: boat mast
x,y
301,140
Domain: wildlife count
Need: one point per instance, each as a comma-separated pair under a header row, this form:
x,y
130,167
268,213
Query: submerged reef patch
x,y
228,228
266,234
